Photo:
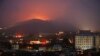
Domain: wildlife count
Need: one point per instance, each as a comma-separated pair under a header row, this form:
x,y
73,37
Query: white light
x,y
35,42
61,39
61,32
40,35
1,28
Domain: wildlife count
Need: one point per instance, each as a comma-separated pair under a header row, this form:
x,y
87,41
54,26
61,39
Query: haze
x,y
81,13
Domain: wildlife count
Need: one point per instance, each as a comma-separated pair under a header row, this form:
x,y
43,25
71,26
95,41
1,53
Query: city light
x,y
19,35
40,35
42,41
70,41
61,32
35,42
1,28
49,28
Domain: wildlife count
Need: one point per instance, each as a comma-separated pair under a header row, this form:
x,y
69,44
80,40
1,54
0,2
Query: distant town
x,y
61,43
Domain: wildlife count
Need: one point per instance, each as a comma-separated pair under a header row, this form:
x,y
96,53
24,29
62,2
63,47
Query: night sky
x,y
85,14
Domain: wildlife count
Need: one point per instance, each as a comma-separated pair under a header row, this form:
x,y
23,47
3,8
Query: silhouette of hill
x,y
34,26
37,26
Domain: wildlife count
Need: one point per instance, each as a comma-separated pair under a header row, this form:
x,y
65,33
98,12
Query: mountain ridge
x,y
37,26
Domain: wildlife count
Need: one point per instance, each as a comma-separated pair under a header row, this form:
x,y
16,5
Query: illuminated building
x,y
97,42
42,48
15,46
84,40
57,47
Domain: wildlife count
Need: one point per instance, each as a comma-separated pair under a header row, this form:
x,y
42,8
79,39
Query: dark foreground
x,y
30,53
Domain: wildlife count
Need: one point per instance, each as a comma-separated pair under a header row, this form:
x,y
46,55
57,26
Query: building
x,y
84,40
97,42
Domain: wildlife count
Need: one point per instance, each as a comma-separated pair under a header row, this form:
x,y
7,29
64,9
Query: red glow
x,y
43,41
19,35
40,16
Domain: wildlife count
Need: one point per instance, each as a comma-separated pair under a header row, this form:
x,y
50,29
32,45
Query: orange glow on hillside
x,y
41,17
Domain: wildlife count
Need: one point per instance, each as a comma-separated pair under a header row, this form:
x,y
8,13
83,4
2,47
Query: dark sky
x,y
83,13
